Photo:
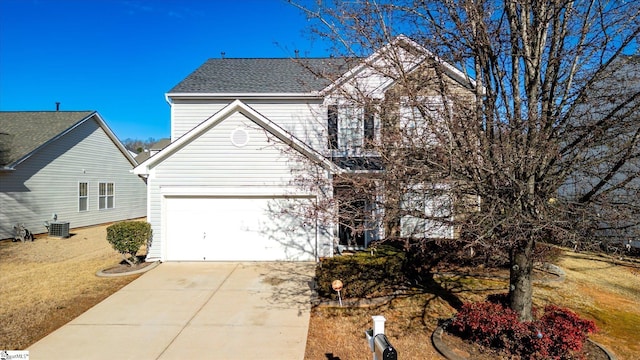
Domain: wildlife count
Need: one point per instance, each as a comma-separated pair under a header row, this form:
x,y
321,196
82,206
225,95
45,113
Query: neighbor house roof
x,y
24,132
152,150
264,75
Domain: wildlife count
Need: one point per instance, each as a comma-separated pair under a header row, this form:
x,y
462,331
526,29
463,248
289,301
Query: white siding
x,y
304,119
47,183
211,163
186,114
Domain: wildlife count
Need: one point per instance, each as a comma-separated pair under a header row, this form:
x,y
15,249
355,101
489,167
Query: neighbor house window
x,y
106,196
83,199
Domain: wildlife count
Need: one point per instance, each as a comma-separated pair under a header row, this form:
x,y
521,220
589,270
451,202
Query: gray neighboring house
x,y
67,163
623,204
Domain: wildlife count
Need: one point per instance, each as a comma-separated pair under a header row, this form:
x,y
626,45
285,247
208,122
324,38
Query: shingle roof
x,y
21,132
154,148
263,75
359,163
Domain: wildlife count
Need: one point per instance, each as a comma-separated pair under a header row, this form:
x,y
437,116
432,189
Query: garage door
x,y
238,229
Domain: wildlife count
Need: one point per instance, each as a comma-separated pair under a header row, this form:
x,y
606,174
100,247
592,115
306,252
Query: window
x,y
428,214
83,199
106,196
422,120
351,128
350,132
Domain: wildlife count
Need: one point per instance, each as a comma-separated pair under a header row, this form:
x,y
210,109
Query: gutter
x,y
234,96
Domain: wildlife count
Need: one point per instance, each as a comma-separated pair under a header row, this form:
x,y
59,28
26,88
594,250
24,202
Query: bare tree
x,y
137,145
538,141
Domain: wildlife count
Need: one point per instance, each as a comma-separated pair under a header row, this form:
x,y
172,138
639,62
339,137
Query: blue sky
x,y
120,57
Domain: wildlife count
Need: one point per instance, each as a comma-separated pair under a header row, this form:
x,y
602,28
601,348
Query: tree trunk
x,y
126,258
520,281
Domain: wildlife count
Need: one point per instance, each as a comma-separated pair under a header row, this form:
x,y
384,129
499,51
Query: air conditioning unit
x,y
59,229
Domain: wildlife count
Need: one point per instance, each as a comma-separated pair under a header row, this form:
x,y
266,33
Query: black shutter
x,y
369,127
332,123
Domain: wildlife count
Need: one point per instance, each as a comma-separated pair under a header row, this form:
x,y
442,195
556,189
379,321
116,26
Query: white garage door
x,y
238,229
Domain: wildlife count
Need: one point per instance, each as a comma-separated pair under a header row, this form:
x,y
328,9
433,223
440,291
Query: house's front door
x,y
354,218
352,225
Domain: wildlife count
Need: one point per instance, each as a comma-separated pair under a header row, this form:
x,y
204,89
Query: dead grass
x,y
598,288
50,281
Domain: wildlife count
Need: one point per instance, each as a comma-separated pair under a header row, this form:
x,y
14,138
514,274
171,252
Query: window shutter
x,y
332,125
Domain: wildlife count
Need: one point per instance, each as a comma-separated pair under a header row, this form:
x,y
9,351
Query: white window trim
x,y
425,226
411,118
106,196
86,196
351,130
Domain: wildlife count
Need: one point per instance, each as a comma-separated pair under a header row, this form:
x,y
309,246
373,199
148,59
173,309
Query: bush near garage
x,y
127,238
364,274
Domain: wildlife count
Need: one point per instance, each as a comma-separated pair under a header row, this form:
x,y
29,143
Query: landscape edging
x,y
102,272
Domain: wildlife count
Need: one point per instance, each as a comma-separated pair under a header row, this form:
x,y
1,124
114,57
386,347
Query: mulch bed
x,y
124,267
469,350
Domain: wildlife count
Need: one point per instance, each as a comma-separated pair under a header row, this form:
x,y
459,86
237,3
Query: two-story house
x,y
257,145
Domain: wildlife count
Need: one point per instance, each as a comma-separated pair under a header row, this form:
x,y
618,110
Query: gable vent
x,y
239,137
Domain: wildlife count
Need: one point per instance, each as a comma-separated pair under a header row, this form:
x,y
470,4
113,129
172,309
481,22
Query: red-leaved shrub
x,y
566,329
558,334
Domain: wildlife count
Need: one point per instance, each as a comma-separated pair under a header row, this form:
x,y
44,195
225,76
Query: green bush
x,y
364,274
127,238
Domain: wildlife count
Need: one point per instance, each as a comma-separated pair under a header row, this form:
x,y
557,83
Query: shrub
x,y
364,274
127,238
566,329
558,334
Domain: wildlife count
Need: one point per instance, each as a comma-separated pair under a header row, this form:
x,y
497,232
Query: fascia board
x,y
285,137
451,70
114,139
144,167
233,96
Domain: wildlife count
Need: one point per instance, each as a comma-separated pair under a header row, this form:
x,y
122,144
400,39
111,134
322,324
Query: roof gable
x,y
235,107
22,133
383,65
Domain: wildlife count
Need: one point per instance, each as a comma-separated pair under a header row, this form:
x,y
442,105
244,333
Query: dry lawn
x,y
46,283
599,288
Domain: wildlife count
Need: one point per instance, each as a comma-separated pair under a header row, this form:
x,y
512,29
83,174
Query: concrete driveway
x,y
194,311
